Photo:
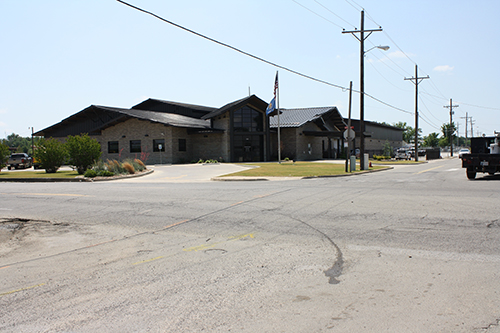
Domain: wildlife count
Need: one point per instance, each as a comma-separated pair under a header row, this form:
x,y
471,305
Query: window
x,y
135,146
159,145
182,144
113,147
247,119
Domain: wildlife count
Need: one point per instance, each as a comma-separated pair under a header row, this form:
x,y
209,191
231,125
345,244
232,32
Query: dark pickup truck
x,y
19,161
484,156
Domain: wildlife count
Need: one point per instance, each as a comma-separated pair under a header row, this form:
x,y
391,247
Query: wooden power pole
x,y
451,106
416,80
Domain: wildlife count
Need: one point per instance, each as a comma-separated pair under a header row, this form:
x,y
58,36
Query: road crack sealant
x,y
336,270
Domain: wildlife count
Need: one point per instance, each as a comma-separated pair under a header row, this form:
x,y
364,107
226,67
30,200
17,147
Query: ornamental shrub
x,y
129,167
90,173
83,151
51,154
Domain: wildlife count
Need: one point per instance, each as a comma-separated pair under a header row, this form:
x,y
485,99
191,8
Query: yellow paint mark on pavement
x,y
207,246
147,260
417,173
4,267
18,290
201,247
241,237
237,203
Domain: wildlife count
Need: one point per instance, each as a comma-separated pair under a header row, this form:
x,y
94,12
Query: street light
x,y
384,48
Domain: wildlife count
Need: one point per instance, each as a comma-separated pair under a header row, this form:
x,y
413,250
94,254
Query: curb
x,y
78,179
241,178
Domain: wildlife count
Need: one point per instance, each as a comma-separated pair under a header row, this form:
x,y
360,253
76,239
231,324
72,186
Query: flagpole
x,y
278,107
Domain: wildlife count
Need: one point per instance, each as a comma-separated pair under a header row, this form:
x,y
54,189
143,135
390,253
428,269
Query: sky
x,y
59,57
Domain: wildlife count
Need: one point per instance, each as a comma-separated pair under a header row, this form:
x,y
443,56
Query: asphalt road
x,y
413,249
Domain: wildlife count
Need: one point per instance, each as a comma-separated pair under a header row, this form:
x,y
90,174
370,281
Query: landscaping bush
x,y
105,173
90,173
51,154
83,151
115,167
137,164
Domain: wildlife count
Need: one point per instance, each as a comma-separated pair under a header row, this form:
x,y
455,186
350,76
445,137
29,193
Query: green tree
x,y
408,133
4,155
431,140
387,149
448,131
51,154
83,152
22,145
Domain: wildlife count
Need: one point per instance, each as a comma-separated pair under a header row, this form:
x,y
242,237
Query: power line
x,y
425,105
312,11
392,84
481,107
260,59
410,59
319,3
360,8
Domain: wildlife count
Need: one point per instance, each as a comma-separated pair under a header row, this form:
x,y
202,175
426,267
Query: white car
x,y
463,151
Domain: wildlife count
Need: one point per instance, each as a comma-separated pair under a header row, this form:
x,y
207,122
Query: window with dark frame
x,y
182,144
247,119
113,147
135,146
157,143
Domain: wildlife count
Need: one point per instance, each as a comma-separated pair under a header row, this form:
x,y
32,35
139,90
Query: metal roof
x,y
299,117
252,100
160,117
184,105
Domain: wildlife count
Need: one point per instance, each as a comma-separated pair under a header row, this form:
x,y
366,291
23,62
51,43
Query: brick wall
x,y
135,129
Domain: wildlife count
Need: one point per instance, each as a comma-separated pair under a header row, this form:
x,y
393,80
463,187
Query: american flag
x,y
276,84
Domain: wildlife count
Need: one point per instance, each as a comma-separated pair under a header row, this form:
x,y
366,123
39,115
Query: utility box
x,y
353,163
366,162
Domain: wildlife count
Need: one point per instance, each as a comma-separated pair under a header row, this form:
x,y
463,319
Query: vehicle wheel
x,y
471,174
8,168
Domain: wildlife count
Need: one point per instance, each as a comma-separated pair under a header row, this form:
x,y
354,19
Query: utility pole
x,y
451,106
466,120
416,80
472,127
347,135
362,38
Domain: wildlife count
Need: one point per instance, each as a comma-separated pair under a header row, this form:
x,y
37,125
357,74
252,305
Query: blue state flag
x,y
271,107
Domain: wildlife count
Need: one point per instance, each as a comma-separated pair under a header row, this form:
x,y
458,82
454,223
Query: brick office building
x,y
164,132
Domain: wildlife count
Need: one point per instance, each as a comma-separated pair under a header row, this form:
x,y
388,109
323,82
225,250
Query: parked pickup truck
x,y
484,156
19,161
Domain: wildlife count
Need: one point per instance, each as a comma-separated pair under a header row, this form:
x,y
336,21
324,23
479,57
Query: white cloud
x,y
443,68
3,111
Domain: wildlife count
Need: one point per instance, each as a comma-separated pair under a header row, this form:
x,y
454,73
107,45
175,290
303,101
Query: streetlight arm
x,y
384,48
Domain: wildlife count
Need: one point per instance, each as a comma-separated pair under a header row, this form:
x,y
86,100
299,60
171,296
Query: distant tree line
x,y
433,139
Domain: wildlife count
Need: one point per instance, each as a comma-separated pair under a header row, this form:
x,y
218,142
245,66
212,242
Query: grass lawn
x,y
38,174
297,169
